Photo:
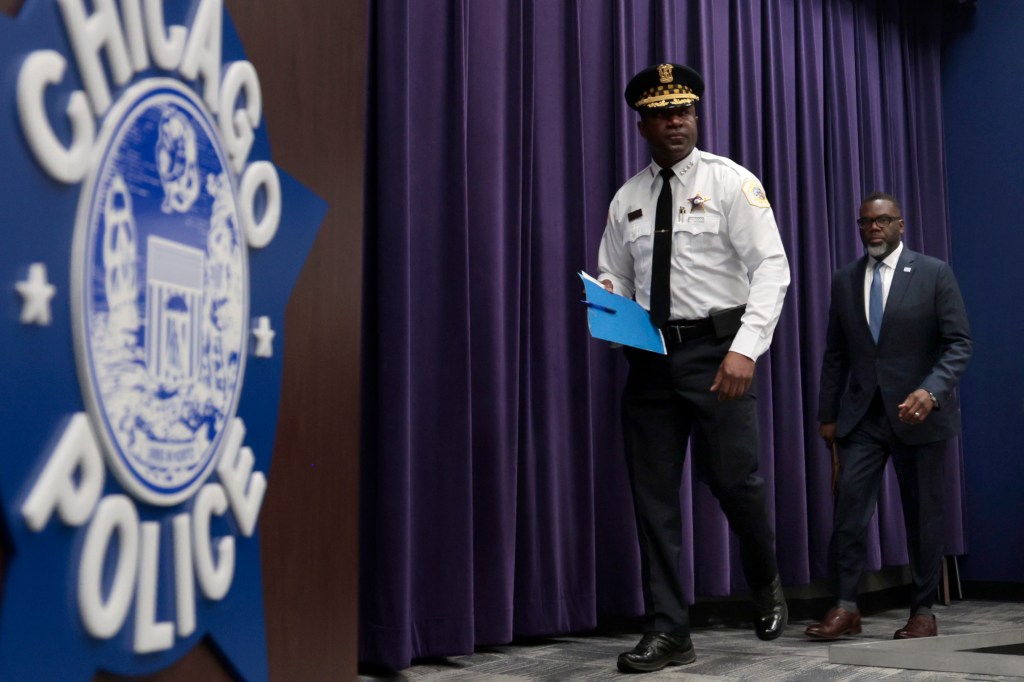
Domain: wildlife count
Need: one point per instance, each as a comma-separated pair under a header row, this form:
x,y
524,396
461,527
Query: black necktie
x,y
661,295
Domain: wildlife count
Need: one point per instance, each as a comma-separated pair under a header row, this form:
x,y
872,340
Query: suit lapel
x,y
858,296
897,289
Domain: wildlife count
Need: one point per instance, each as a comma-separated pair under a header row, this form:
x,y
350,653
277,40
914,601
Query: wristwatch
x,y
935,401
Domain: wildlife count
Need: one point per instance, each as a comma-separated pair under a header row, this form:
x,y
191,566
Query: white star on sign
x,y
264,338
37,293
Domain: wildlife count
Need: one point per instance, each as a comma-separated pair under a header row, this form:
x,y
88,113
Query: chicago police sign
x,y
150,245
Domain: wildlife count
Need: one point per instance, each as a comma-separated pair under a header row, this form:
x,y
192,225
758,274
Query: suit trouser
x,y
665,400
920,471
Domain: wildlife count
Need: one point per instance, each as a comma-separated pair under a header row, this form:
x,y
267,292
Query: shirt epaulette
x,y
715,160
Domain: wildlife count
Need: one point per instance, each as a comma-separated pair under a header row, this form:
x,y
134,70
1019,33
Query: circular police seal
x,y
161,289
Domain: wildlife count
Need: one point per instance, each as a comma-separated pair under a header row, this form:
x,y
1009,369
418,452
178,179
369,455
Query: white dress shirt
x,y
886,273
726,248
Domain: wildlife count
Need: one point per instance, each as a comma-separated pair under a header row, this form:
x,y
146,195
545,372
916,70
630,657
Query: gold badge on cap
x,y
665,73
754,193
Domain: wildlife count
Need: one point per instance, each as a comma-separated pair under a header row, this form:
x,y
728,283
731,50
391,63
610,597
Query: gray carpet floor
x,y
725,651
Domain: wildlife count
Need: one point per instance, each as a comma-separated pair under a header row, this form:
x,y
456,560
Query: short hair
x,y
882,196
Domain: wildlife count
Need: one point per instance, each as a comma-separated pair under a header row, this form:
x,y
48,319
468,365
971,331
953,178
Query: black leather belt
x,y
679,331
721,323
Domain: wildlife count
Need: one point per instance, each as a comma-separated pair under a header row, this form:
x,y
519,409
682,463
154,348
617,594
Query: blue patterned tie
x,y
875,305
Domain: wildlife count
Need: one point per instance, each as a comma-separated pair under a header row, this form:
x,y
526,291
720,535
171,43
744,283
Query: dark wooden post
x,y
311,58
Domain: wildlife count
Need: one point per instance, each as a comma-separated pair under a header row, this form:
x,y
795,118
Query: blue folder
x,y
619,319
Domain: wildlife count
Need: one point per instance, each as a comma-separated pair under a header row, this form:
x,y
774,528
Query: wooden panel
x,y
311,59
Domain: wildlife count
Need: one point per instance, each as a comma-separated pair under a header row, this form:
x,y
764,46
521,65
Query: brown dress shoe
x,y
918,626
836,623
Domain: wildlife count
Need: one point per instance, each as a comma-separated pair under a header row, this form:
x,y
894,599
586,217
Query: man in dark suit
x,y
897,344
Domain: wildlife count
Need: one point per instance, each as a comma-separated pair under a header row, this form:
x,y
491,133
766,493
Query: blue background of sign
x,y
41,633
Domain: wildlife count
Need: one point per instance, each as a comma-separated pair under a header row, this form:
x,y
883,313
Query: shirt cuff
x,y
748,342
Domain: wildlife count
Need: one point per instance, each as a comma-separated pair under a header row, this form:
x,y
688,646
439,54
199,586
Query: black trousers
x,y
666,399
920,470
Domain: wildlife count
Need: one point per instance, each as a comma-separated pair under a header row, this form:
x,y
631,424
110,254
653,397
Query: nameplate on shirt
x,y
633,215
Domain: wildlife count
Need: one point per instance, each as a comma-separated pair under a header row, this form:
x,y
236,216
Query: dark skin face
x,y
671,134
881,241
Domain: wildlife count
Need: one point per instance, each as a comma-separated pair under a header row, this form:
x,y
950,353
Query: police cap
x,y
664,86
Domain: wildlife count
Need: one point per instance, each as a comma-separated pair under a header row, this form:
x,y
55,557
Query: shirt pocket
x,y
639,240
696,235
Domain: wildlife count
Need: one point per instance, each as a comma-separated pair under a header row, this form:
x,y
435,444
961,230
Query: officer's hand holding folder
x,y
619,319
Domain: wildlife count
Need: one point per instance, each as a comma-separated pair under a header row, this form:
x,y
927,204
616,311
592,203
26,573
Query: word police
x,y
70,485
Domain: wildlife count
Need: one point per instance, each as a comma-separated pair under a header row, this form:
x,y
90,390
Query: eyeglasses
x,y
883,221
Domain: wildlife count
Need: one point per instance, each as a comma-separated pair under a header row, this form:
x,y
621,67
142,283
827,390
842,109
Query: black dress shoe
x,y
770,611
655,651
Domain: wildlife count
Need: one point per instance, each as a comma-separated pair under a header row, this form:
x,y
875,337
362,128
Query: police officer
x,y
693,239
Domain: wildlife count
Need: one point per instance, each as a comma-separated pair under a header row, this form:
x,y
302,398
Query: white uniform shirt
x,y
726,248
886,272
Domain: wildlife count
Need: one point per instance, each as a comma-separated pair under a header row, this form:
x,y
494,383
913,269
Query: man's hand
x,y
608,285
734,376
916,408
827,433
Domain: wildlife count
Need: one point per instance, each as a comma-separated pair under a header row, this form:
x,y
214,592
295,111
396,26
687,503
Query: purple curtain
x,y
495,500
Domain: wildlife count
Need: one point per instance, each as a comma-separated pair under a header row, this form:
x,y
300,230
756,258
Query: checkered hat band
x,y
667,95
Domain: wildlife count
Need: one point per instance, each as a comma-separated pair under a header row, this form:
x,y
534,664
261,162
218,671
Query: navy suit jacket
x,y
924,342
